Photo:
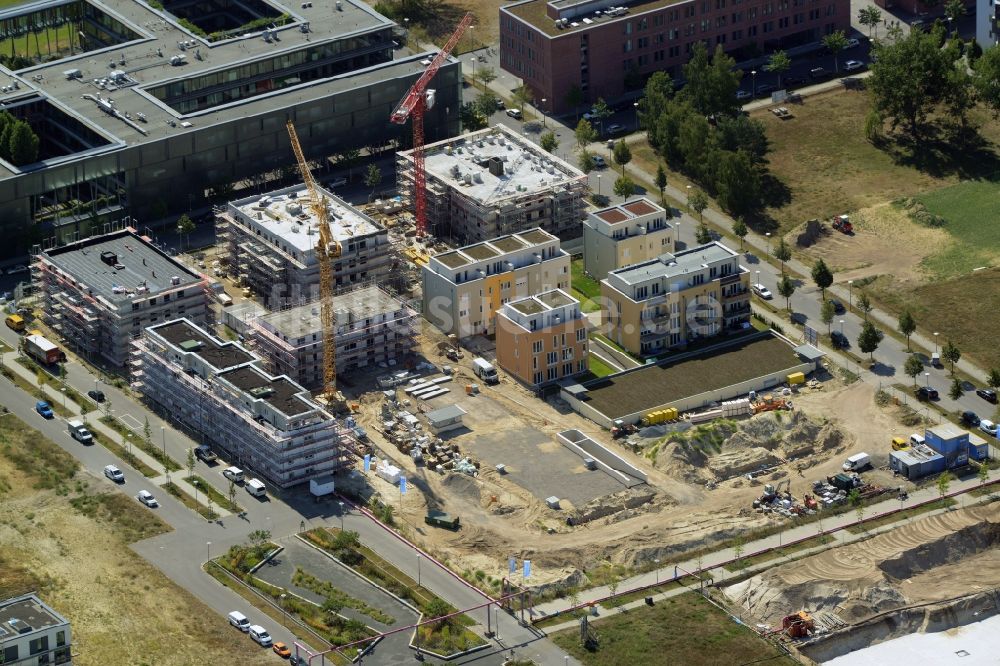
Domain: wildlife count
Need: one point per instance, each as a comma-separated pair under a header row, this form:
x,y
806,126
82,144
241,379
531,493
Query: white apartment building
x,y
266,424
625,234
32,633
464,288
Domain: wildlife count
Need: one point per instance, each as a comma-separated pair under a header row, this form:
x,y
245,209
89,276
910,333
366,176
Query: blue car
x,y
44,409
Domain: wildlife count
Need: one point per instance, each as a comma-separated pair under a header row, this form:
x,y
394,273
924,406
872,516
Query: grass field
x,y
599,368
585,288
965,206
681,630
66,535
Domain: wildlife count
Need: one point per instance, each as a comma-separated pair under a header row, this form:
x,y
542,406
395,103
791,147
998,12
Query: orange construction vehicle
x,y
798,625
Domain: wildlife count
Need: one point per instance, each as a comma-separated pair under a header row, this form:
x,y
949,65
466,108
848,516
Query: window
x,y
40,644
567,369
581,334
552,373
10,654
536,347
538,378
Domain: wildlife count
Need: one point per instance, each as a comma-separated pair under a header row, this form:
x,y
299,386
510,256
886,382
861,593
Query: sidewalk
x,y
94,424
713,564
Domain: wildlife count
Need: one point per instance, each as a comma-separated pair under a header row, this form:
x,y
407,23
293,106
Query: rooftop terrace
x,y
121,266
494,247
279,392
494,164
671,265
26,614
220,355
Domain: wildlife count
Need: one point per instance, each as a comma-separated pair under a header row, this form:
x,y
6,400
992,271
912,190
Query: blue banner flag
x,y
368,462
512,565
402,485
527,568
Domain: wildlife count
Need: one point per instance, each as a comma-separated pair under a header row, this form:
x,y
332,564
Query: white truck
x,y
857,462
322,486
485,371
79,432
256,488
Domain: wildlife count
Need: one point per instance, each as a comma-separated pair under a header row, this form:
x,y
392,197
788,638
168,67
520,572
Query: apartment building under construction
x,y
100,293
271,245
265,424
374,328
494,182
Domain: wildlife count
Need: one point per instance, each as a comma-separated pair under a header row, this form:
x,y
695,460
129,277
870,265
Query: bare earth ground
x,y
932,559
123,611
501,519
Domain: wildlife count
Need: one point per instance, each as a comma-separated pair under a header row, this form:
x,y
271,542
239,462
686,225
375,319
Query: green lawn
x,y
685,629
965,206
599,368
585,288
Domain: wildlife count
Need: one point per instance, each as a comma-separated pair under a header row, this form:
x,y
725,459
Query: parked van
x,y
259,635
234,474
899,444
225,299
79,432
485,371
256,488
916,440
857,462
240,621
15,322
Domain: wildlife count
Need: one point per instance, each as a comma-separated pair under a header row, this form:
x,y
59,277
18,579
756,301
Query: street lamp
x,y
850,293
473,70
768,234
598,184
542,109
163,436
753,73
841,326
418,569
657,563
284,613
341,505
63,391
935,342
927,378
194,484
635,105
208,552
758,277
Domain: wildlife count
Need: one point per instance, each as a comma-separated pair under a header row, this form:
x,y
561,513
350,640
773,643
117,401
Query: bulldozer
x,y
798,625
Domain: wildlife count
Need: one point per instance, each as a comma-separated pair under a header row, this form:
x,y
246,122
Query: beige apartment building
x,y
675,299
463,289
542,339
625,234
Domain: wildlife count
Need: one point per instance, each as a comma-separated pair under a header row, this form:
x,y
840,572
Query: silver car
x,y
147,498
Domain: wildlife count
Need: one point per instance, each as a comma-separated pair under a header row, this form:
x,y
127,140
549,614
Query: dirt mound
x,y
811,231
736,463
947,550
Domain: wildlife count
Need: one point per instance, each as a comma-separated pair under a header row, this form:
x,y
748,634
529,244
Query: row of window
x,y
553,373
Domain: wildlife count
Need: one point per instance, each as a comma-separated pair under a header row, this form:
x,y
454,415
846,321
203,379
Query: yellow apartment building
x,y
625,234
543,338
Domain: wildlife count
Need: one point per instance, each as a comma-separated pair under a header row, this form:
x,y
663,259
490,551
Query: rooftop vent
x,y
262,392
496,166
108,257
19,626
175,280
191,345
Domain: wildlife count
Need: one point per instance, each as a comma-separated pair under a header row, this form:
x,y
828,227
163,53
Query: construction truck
x,y
43,351
842,223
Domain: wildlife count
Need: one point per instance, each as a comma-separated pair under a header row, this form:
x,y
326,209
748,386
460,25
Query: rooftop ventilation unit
x,y
261,392
191,345
108,257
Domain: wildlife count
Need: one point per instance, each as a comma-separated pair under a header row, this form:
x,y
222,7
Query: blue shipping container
x,y
979,451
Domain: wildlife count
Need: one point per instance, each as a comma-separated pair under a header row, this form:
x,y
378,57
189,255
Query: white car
x,y
147,498
988,427
514,113
762,291
114,474
852,43
853,65
599,162
615,128
17,269
743,94
259,635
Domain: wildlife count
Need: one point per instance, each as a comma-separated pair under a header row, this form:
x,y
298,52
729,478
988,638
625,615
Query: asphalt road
x,y
180,554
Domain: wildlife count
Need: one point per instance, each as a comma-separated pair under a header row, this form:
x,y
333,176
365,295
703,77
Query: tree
x,y
147,432
993,380
779,63
738,546
522,95
698,202
259,537
854,497
549,142
870,17
614,580
621,154
232,495
986,73
786,288
190,462
470,117
702,234
983,473
23,144
585,161
869,339
185,227
600,111
348,159
864,303
486,75
624,187
574,98
826,314
907,326
782,253
740,230
332,605
943,483
373,177
835,42
822,276
951,353
486,103
909,79
956,391
585,133
954,9
737,182
913,367
437,607
711,82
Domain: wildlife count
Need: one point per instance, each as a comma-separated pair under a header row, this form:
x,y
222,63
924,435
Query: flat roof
x,y
612,215
915,455
463,164
671,265
947,431
534,13
556,298
288,215
494,247
147,61
279,392
528,306
360,303
446,414
654,385
26,614
642,207
143,266
220,355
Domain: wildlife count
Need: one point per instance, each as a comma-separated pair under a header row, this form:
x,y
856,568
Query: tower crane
x,y
413,105
327,249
